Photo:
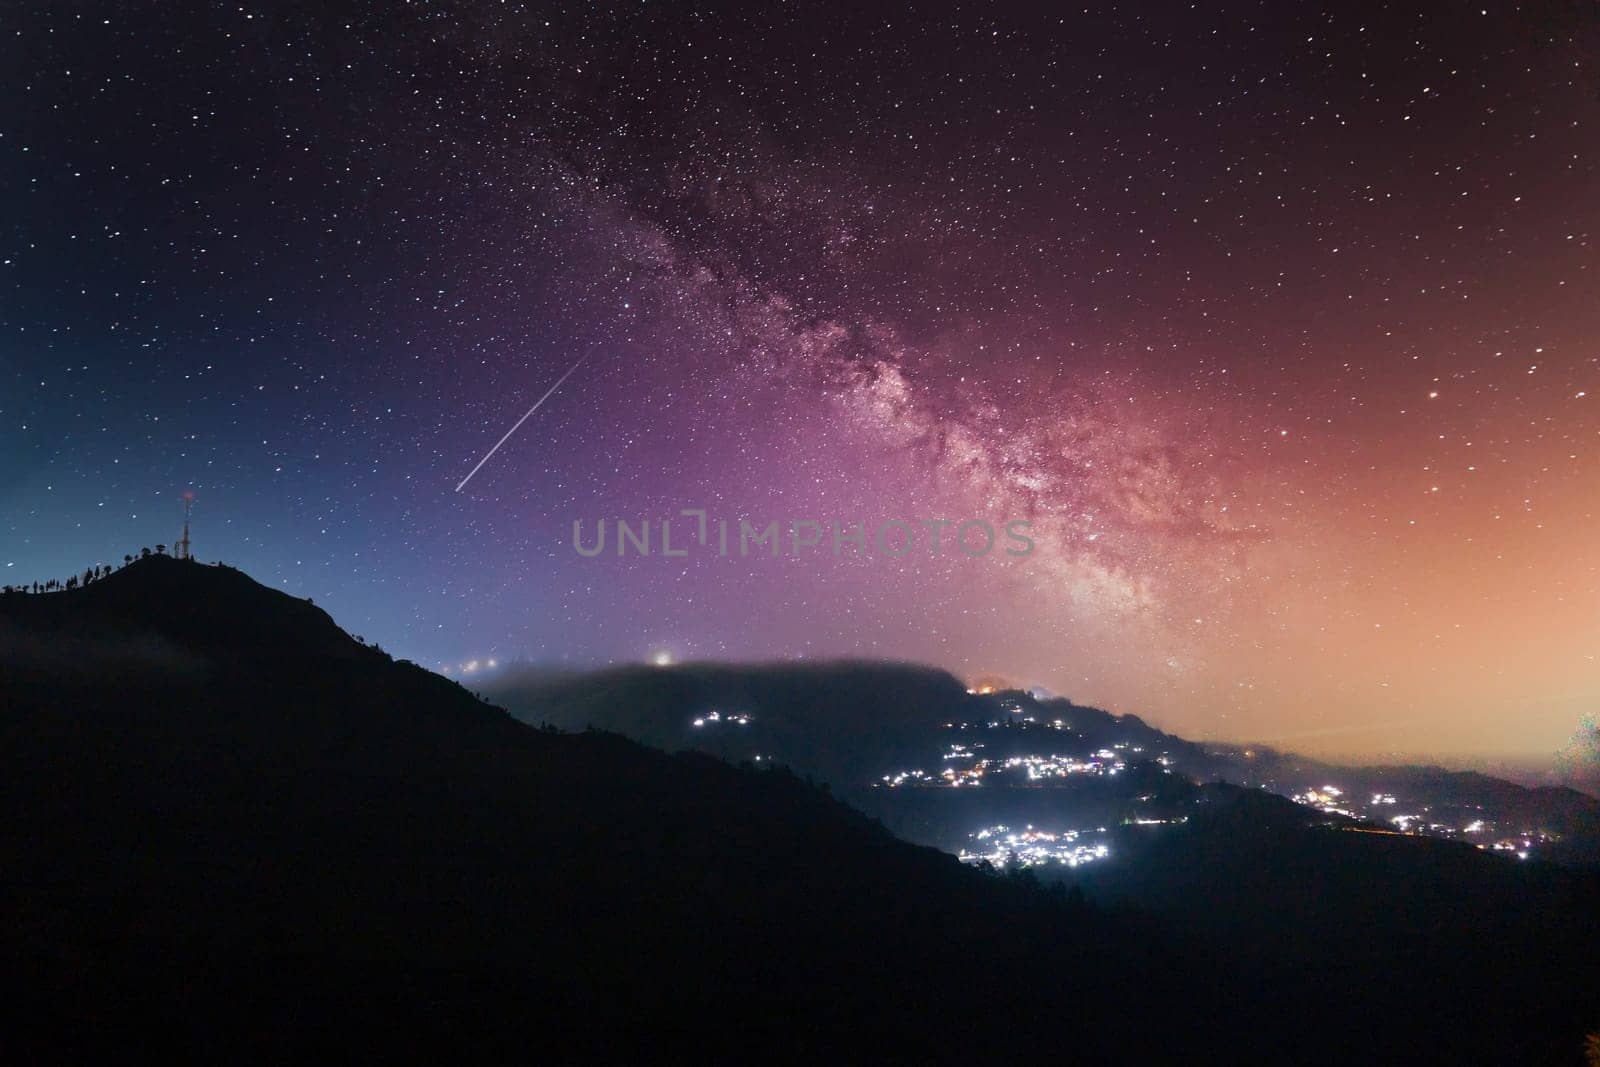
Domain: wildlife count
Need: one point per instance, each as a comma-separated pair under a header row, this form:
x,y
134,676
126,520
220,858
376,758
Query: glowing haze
x,y
1279,326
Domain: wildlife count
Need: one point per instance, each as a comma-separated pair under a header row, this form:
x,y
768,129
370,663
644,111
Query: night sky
x,y
1280,323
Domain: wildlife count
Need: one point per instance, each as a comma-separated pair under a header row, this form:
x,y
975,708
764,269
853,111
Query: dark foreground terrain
x,y
228,828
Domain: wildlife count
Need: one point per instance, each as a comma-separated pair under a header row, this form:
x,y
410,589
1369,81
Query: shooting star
x,y
520,421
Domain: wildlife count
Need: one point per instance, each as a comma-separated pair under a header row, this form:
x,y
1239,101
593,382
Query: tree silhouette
x,y
144,553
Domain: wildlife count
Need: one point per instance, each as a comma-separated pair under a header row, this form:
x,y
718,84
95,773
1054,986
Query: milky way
x,y
1278,323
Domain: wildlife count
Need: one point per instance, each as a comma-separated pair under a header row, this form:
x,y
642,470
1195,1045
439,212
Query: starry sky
x,y
1279,323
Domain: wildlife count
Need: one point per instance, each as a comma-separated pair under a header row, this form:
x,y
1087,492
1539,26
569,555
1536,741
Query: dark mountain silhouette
x,y
226,827
1456,956
226,820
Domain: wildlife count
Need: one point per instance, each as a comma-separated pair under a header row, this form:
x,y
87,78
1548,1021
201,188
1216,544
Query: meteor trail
x,y
520,421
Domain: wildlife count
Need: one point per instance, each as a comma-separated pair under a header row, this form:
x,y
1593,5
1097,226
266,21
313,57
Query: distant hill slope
x,y
1458,796
849,723
843,722
846,722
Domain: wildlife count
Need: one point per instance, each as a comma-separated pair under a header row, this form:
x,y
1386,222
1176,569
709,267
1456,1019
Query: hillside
x,y
1444,945
854,724
845,722
223,819
226,824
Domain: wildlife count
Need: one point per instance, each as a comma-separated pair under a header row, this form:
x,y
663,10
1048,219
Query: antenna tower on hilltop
x,y
181,549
